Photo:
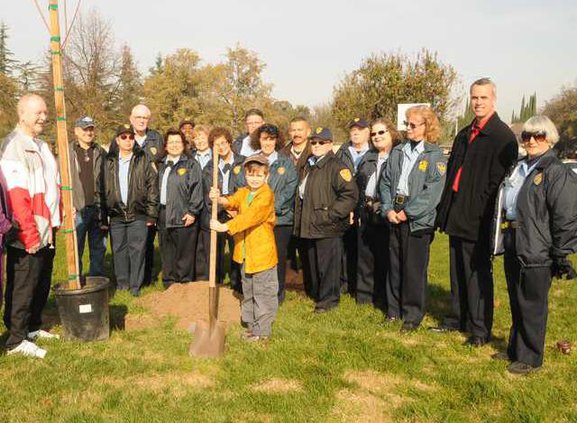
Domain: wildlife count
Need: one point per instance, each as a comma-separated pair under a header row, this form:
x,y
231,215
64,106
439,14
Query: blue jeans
x,y
87,224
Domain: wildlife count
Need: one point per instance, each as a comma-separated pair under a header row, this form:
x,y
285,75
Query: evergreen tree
x,y
6,61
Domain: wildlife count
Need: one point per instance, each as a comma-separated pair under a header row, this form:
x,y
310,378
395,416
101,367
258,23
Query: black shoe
x,y
392,319
501,356
520,368
409,327
476,341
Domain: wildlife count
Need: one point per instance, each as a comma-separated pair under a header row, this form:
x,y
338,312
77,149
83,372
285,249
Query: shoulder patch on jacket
x,y
153,150
281,170
538,178
442,168
346,175
423,165
181,171
236,170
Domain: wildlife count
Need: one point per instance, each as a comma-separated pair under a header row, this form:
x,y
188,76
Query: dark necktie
x,y
226,168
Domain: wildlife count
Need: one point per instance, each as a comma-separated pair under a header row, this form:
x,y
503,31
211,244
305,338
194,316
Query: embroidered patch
x,y
281,170
346,175
423,165
319,130
153,150
538,178
357,119
442,168
181,171
236,170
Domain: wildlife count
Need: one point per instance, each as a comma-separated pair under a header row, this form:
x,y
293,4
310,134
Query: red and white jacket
x,y
31,182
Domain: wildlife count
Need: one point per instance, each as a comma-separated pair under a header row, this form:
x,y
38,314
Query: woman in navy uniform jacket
x,y
536,227
180,185
283,181
373,233
410,190
230,178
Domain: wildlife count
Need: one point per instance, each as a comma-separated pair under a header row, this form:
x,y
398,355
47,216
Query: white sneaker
x,y
41,334
29,349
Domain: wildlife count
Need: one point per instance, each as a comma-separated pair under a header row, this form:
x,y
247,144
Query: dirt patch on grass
x,y
187,303
278,386
373,397
173,384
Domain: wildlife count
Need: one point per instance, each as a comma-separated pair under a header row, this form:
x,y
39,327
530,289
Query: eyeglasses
x,y
413,125
538,136
382,132
127,136
320,142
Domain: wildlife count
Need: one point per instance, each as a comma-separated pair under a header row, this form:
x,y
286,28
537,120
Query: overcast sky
x,y
524,46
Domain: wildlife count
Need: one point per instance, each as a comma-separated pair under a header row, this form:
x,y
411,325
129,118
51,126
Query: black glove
x,y
562,267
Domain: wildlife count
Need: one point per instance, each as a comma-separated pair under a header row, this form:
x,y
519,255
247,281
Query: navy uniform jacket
x,y
546,213
330,195
183,190
426,182
283,181
235,181
345,156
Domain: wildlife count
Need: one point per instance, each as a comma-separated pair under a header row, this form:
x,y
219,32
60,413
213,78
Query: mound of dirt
x,y
188,303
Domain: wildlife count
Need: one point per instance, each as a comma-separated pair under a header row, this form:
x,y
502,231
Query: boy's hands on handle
x,y
215,225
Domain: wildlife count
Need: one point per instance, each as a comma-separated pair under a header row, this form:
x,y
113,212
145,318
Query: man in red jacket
x,y
30,180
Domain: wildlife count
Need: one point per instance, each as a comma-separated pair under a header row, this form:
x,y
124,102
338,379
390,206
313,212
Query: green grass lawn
x,y
346,365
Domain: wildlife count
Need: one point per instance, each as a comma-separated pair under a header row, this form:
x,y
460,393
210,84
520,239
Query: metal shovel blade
x,y
208,341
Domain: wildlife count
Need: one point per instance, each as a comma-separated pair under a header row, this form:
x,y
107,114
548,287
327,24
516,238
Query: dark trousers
x,y
282,236
177,251
528,296
471,286
149,277
324,262
88,225
292,253
28,279
202,255
372,262
128,241
349,260
407,284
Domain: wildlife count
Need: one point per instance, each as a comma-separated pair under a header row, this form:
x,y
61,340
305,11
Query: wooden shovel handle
x,y
213,215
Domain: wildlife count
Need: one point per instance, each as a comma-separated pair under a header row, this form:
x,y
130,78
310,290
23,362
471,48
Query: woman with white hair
x,y
536,229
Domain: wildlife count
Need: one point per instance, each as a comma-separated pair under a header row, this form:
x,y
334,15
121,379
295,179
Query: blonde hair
x,y
432,125
200,128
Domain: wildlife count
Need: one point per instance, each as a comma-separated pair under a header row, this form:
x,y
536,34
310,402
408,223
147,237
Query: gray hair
x,y
541,123
485,81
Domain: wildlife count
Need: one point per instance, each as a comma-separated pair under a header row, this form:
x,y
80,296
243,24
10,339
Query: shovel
x,y
209,336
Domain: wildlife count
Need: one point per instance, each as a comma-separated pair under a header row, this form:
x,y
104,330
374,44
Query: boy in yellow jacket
x,y
254,246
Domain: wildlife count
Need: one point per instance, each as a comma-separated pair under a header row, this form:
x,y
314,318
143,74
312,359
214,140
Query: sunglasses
x,y
382,132
413,125
127,136
538,136
320,142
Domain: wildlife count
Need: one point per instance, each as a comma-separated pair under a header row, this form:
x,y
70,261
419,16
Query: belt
x,y
401,199
509,224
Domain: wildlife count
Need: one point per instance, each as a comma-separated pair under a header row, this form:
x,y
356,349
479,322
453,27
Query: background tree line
x,y
103,80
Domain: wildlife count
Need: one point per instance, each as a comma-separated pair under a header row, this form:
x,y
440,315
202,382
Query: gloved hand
x,y
562,267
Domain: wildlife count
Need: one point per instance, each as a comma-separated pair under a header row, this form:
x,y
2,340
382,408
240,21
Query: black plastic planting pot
x,y
84,312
